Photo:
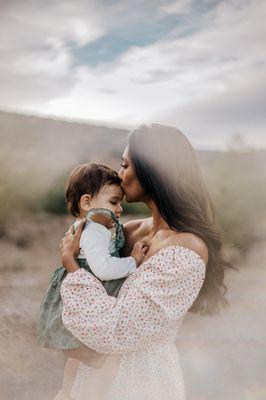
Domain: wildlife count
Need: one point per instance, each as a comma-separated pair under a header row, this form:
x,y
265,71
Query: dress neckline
x,y
173,246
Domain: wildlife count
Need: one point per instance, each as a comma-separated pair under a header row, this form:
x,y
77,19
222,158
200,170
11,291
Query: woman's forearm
x,y
69,263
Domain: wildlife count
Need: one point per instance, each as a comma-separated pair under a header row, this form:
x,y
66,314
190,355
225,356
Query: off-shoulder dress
x,y
140,326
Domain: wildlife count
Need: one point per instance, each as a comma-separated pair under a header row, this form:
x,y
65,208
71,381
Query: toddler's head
x,y
93,186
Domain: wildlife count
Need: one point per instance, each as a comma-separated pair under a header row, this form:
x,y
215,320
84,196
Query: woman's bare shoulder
x,y
136,224
134,230
190,241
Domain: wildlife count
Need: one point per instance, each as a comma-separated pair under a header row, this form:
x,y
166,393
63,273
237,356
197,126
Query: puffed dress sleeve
x,y
156,298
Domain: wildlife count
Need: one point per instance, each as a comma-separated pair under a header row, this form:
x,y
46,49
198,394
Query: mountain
x,y
46,147
37,144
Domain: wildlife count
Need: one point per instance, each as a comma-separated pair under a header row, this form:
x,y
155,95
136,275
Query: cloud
x,y
107,91
210,123
197,65
36,63
177,7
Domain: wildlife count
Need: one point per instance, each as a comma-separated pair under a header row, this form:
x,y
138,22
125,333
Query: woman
x,y
183,271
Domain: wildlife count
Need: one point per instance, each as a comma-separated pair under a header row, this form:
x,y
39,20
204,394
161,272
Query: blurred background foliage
x,y
236,182
235,179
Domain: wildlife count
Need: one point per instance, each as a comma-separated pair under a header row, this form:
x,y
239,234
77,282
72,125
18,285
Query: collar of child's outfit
x,y
103,211
117,233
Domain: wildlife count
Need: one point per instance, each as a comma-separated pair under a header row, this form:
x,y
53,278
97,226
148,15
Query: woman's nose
x,y
119,211
120,173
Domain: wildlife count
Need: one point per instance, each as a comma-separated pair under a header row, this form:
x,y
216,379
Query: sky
x,y
198,65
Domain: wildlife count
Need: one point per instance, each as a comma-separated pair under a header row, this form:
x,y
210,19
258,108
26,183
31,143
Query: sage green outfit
x,y
51,332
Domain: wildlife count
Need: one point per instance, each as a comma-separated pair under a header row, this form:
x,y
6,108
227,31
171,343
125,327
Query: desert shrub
x,y
54,199
18,192
6,197
237,185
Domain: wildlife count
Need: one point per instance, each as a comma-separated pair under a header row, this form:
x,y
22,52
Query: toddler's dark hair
x,y
87,179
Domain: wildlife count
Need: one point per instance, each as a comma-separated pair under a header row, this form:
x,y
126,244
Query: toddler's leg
x,y
80,364
86,355
70,372
62,396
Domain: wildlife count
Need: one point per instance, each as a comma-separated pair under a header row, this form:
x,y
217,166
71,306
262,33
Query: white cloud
x,y
203,82
212,121
177,7
36,63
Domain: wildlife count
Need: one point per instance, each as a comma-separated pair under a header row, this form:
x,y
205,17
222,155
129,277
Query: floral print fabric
x,y
141,324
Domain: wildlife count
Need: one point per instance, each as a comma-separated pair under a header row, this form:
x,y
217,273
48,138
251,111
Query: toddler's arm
x,y
94,242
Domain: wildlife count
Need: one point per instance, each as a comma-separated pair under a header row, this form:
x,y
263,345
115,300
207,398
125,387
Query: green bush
x,y
18,192
7,197
54,200
237,185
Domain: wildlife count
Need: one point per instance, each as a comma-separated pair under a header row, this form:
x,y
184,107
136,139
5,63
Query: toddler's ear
x,y
85,201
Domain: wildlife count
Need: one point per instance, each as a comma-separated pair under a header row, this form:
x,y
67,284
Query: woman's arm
x,y
155,300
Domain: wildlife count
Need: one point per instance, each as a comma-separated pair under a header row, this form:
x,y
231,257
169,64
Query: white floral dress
x,y
140,325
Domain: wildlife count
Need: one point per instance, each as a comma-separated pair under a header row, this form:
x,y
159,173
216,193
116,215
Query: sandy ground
x,y
223,358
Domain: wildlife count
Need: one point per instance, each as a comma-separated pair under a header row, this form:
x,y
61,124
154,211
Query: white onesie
x,y
95,245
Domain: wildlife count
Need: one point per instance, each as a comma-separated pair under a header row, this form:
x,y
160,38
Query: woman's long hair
x,y
167,168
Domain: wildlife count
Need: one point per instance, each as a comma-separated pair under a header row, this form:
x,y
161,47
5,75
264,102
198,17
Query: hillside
x,y
42,144
47,147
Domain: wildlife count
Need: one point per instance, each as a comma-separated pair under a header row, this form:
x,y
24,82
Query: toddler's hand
x,y
139,250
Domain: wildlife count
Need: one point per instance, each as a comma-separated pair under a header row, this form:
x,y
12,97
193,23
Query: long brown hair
x,y
166,166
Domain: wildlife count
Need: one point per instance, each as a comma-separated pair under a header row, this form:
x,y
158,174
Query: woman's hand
x,y
69,247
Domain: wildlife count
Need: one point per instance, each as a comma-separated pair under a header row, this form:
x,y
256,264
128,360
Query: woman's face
x,y
130,184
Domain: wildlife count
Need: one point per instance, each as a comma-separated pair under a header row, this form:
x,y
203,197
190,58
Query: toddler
x,y
93,191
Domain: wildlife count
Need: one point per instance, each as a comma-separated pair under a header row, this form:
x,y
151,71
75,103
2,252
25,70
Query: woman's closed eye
x,y
123,165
